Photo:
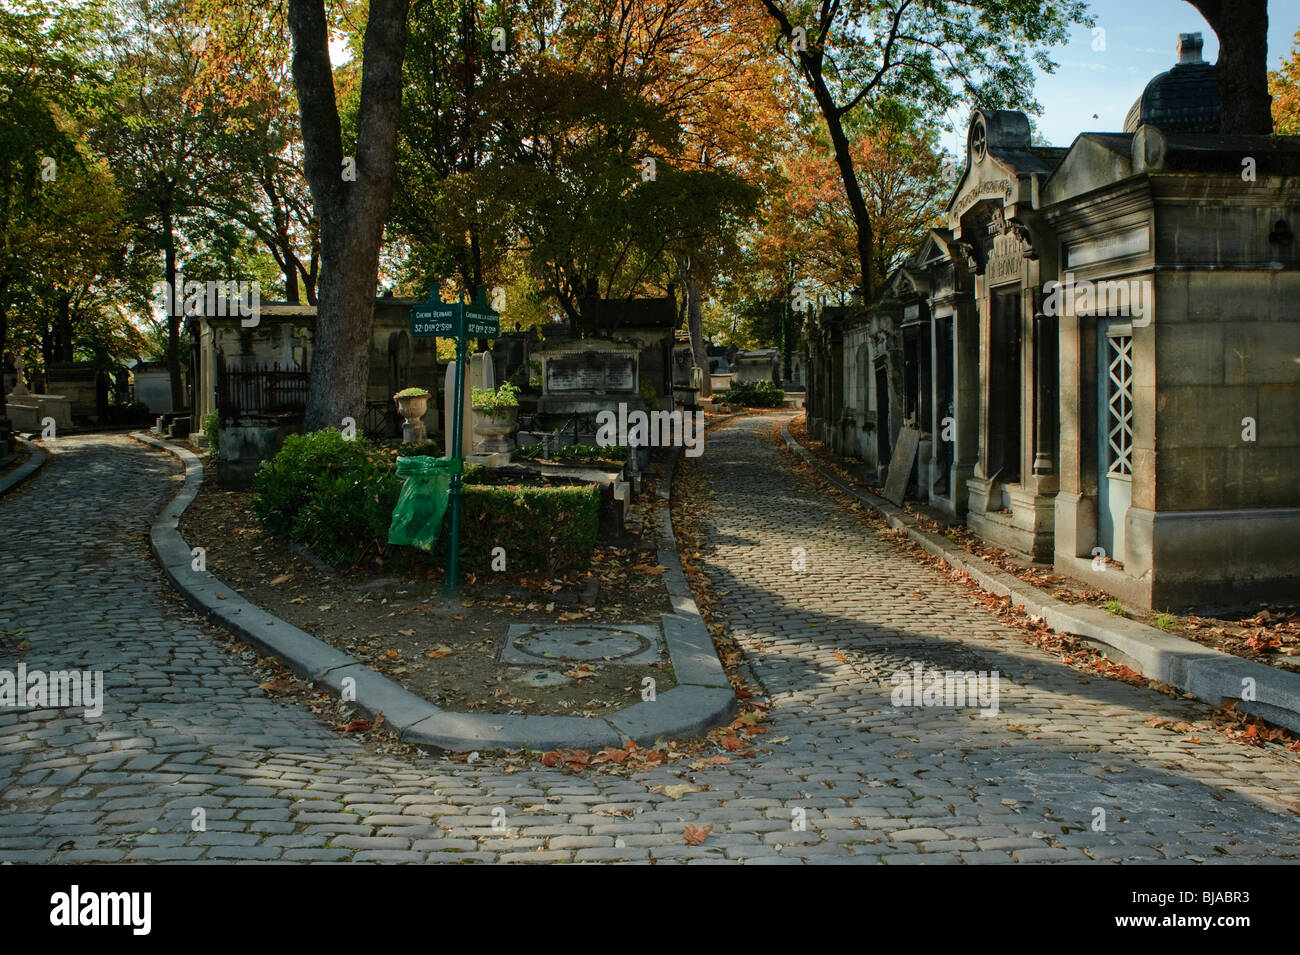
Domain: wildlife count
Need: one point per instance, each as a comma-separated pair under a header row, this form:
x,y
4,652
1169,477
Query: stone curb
x,y
702,699
25,470
1210,675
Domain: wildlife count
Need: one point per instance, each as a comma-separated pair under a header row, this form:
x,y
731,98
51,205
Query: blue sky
x,y
1141,40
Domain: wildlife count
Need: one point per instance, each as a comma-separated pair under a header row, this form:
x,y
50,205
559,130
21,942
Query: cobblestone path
x,y
185,726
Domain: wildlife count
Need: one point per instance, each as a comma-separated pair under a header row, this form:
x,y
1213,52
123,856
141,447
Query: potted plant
x,y
499,416
412,403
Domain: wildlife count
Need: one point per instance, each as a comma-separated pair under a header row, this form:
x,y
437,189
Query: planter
x,y
496,434
412,408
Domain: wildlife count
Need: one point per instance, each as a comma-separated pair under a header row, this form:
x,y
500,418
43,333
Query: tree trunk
x,y
810,62
65,349
352,213
1242,70
290,270
4,340
695,322
852,190
174,312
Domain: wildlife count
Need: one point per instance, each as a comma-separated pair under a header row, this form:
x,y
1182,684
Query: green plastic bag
x,y
417,518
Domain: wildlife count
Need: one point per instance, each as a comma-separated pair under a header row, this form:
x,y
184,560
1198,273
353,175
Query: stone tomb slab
x,y
545,644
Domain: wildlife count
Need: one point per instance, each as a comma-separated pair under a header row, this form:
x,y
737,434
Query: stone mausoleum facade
x,y
1100,350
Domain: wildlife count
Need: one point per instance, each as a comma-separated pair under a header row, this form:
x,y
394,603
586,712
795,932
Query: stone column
x,y
1044,392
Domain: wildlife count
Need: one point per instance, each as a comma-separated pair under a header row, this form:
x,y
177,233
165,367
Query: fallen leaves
x,y
569,758
441,650
1263,641
676,790
695,835
277,684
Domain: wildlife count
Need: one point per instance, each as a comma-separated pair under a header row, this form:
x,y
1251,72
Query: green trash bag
x,y
417,518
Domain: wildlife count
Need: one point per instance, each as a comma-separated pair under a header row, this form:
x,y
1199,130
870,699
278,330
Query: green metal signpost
x,y
461,321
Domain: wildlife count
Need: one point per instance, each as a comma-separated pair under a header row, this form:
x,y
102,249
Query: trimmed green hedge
x,y
543,529
336,497
754,394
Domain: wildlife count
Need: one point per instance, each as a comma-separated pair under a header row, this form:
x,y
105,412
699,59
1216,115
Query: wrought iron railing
x,y
254,390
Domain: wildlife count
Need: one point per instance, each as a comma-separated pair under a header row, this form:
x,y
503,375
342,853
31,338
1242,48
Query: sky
x,y
1141,40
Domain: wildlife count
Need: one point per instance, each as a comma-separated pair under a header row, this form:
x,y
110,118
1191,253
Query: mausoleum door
x,y
945,437
1004,386
882,412
1114,433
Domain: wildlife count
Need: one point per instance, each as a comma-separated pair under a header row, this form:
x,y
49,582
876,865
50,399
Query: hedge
x,y
336,497
754,394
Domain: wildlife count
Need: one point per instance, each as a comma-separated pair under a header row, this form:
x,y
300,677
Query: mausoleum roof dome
x,y
1184,99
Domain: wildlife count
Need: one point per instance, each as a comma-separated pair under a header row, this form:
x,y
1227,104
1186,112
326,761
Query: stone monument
x,y
28,411
479,374
586,377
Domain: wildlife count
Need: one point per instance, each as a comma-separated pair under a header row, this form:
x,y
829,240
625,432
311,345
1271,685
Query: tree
x,y
163,145
1242,70
352,194
54,201
449,225
245,79
1285,87
927,54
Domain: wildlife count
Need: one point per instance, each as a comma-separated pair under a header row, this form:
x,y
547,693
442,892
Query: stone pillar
x,y
1044,392
966,398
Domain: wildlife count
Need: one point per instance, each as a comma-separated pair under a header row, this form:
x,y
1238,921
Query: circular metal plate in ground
x,y
580,643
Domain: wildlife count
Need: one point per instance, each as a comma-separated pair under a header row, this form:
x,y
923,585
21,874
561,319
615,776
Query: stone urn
x,y
496,431
412,406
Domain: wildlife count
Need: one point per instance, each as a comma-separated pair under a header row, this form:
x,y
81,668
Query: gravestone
x,y
28,411
900,464
479,374
241,451
589,376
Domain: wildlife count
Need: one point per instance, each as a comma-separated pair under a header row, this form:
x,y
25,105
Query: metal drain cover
x,y
546,644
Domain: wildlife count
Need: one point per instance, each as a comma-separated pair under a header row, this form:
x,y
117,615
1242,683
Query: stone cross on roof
x,y
20,389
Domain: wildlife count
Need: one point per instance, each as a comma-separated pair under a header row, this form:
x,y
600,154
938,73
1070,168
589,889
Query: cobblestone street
x,y
185,725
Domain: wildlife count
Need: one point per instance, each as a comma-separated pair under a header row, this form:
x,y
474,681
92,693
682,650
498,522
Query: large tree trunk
x,y
352,214
1242,70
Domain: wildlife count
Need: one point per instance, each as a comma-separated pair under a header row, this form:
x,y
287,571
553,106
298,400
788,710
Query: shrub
x,y
576,453
336,497
649,393
211,426
284,484
754,394
495,403
543,529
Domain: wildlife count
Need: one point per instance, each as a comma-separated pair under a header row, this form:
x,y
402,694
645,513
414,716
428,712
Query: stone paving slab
x,y
185,726
1209,674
